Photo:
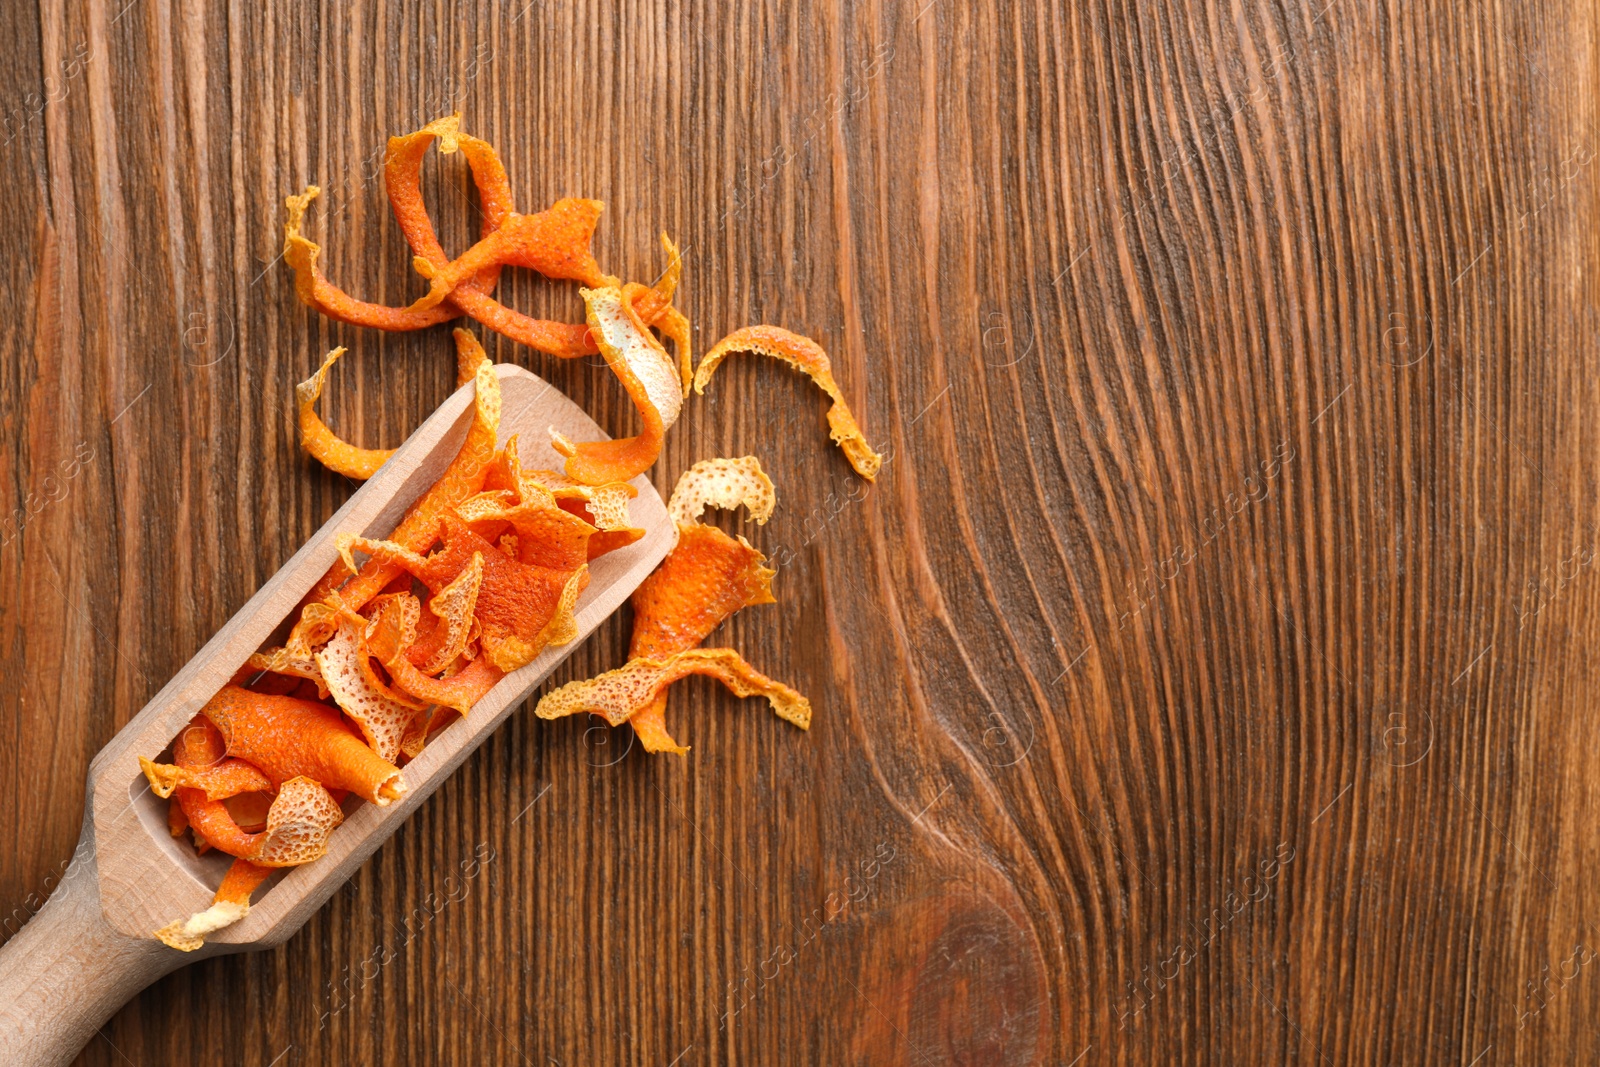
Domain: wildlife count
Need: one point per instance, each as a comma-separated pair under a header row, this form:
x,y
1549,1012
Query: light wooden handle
x,y
67,971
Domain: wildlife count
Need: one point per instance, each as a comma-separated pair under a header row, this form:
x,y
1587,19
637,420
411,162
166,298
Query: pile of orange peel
x,y
486,569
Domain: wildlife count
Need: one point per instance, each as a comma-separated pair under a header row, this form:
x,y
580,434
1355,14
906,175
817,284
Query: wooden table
x,y
1208,677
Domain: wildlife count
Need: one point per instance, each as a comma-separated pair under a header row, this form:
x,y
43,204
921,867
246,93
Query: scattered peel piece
x,y
459,691
723,483
651,381
619,694
289,738
706,577
808,356
323,445
317,292
554,242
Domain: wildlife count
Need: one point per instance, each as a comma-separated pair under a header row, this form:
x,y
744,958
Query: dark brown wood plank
x,y
1206,679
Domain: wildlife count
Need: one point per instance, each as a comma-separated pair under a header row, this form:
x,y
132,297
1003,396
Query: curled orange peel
x,y
460,691
808,356
402,168
652,383
381,714
653,305
554,242
619,694
298,823
219,781
297,829
322,443
706,577
231,903
469,356
289,738
444,640
316,292
723,483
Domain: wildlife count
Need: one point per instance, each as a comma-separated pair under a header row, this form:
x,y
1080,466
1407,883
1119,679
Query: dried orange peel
x,y
806,355
282,661
619,694
652,382
324,446
289,738
382,714
223,779
706,577
554,242
723,483
231,903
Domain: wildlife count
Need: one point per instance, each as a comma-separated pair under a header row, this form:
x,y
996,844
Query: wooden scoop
x,y
90,949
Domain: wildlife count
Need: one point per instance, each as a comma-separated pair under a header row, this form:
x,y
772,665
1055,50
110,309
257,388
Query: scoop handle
x,y
68,970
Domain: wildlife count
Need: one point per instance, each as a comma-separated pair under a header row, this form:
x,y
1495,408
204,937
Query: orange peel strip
x,y
706,577
345,664
224,779
459,691
402,174
231,903
723,483
619,694
289,738
323,445
469,356
654,307
401,166
316,292
554,242
651,381
808,356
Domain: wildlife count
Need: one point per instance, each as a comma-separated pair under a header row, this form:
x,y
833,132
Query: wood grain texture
x,y
1207,679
